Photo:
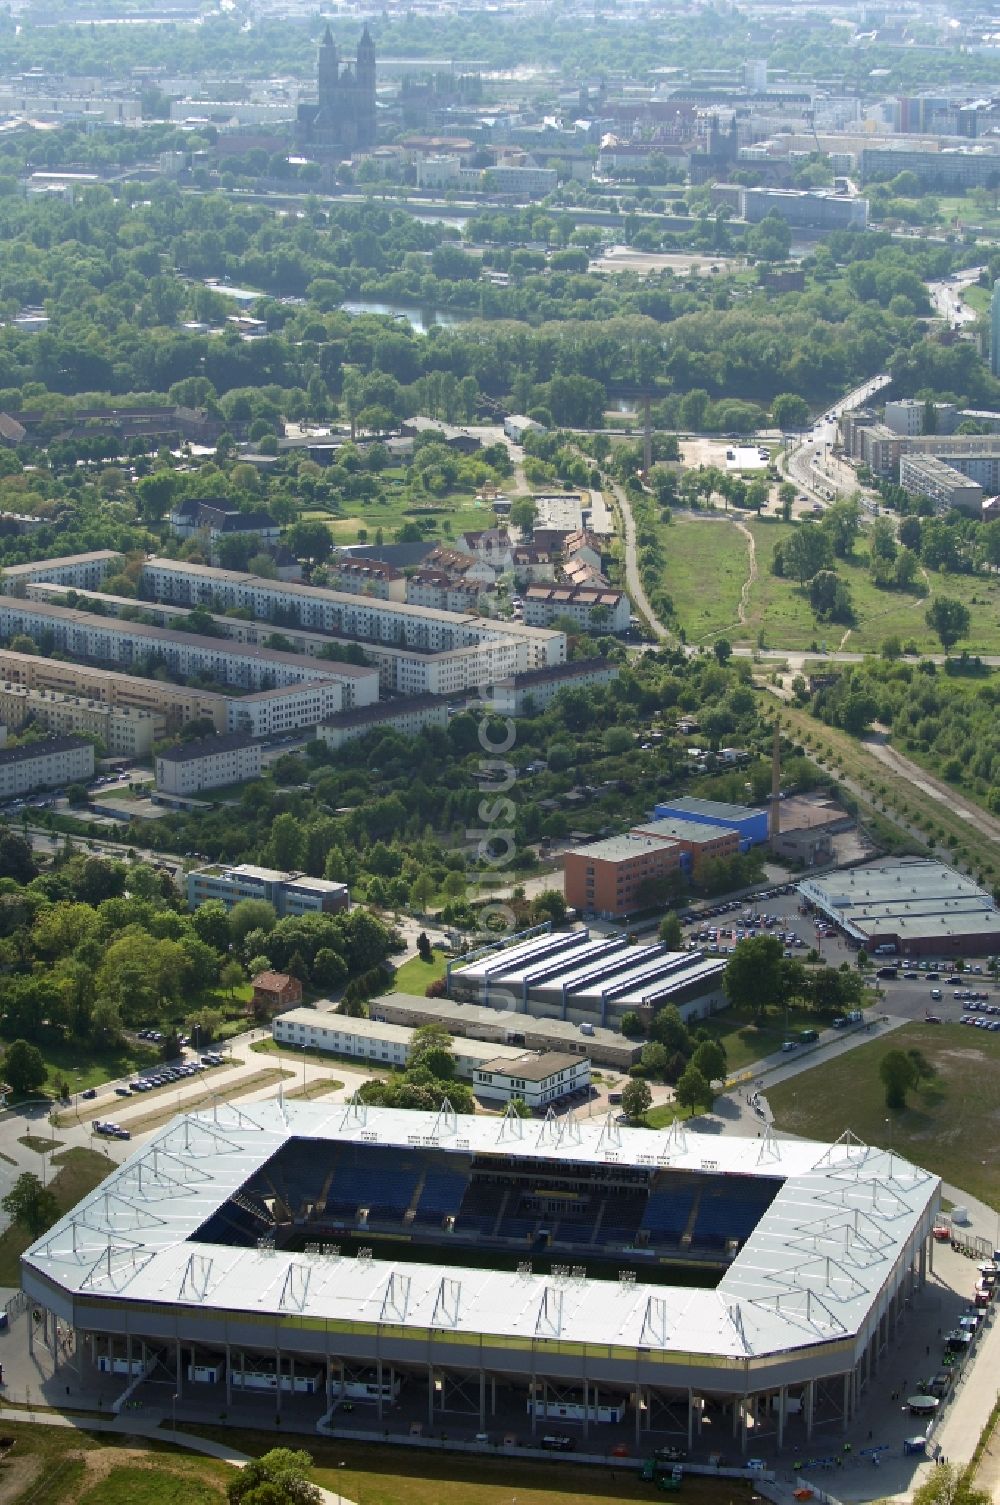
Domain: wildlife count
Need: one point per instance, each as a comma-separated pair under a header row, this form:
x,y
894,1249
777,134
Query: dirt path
x,y
751,580
878,745
633,580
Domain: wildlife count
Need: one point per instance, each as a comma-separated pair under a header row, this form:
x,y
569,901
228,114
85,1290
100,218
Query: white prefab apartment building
x,y
89,636
497,1073
395,670
81,571
45,765
208,763
544,603
361,618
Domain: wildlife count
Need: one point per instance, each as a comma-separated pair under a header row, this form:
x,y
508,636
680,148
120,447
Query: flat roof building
x,y
497,1072
751,824
619,876
604,1046
569,976
909,907
290,893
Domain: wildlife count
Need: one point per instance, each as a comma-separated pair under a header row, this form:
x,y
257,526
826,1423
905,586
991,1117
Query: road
x,y
806,461
633,580
947,299
877,743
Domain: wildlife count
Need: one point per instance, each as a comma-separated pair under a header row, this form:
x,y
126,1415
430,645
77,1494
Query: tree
x,y
16,860
949,1484
523,513
636,1099
790,411
31,1204
518,1106
23,1068
806,552
693,1091
631,1025
422,891
670,932
898,1075
424,950
723,649
710,1060
949,619
231,976
753,976
284,1470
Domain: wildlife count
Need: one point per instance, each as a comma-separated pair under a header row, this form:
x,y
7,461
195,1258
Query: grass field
x,y
393,508
780,609
377,1475
67,1466
708,563
705,570
414,975
40,1145
78,1172
746,1038
81,1067
947,1126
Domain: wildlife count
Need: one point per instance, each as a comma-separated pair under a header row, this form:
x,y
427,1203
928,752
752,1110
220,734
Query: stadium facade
x,y
737,1290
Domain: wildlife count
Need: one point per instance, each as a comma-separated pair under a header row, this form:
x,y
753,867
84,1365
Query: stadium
x,y
452,1276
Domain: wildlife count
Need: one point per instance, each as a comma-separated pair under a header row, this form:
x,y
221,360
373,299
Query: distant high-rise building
x,y
343,118
995,329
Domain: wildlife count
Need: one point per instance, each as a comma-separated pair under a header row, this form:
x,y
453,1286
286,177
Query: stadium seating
x,y
441,1195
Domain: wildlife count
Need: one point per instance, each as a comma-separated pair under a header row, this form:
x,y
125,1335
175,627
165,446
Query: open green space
x,y
78,1171
80,1065
374,1474
394,508
780,609
747,1038
152,1485
948,1124
415,975
706,565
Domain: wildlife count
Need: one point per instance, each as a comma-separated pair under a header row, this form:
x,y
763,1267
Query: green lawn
x,y
948,1126
373,1474
80,1066
706,565
40,1145
156,1484
747,1039
780,608
414,975
78,1172
459,510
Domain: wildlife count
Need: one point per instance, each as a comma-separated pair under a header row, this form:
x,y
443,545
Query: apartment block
x,y
290,893
408,716
530,692
600,610
947,487
99,640
188,768
363,619
82,571
367,577
45,765
124,731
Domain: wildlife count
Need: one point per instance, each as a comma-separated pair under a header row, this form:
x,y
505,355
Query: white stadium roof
x,y
810,1272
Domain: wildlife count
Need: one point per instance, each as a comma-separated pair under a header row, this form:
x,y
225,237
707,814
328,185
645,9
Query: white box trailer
x,y
603,1411
261,1379
206,1374
367,1391
109,1363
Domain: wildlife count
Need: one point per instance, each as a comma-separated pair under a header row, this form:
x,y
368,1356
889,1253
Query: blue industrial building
x,y
751,824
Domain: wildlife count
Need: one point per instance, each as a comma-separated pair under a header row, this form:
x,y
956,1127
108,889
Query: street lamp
x,y
176,1398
